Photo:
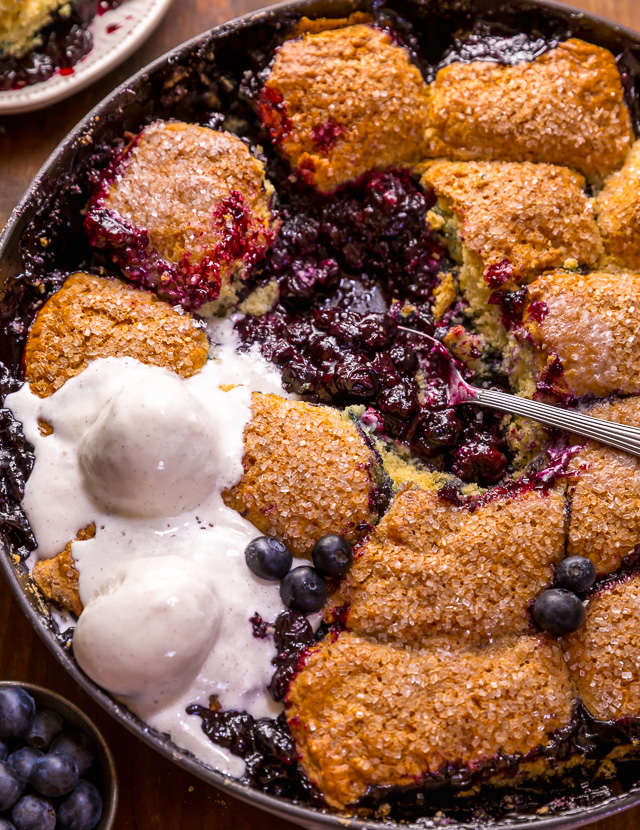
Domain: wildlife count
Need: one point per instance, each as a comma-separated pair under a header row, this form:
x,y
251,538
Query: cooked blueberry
x,y
558,611
10,786
46,726
54,774
22,761
272,739
33,813
575,573
292,631
479,460
332,555
77,746
440,428
304,589
268,558
82,809
17,709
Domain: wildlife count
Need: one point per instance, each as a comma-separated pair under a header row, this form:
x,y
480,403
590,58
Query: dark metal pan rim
x,y
61,158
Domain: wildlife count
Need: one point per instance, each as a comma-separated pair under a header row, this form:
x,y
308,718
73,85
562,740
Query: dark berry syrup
x,y
65,42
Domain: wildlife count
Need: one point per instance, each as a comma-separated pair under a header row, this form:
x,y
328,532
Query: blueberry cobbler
x,y
233,470
39,38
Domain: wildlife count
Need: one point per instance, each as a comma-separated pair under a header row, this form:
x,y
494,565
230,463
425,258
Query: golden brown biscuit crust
x,y
430,567
534,216
57,577
365,713
92,317
618,213
287,492
353,102
604,495
590,322
565,107
604,654
174,181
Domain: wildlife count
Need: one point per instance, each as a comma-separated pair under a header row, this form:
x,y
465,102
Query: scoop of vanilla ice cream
x,y
152,450
147,637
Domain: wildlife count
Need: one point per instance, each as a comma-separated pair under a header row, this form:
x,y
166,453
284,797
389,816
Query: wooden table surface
x,y
155,795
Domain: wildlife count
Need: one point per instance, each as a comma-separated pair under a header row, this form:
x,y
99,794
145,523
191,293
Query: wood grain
x,y
155,795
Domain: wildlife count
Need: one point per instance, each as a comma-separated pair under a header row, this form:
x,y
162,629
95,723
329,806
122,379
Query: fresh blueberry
x,y
33,813
54,775
22,761
4,751
77,746
82,809
17,709
10,786
46,726
5,824
558,611
576,573
268,558
304,589
332,555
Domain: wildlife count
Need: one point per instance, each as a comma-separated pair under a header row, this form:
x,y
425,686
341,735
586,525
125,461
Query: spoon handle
x,y
620,436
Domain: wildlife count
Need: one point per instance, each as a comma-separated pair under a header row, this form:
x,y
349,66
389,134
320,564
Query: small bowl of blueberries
x,y
56,771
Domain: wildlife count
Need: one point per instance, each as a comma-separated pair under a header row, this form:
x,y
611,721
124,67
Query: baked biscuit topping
x,y
92,317
566,107
430,568
603,656
341,103
584,329
187,214
371,714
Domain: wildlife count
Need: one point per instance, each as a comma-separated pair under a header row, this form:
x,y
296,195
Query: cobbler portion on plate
x,y
41,37
476,656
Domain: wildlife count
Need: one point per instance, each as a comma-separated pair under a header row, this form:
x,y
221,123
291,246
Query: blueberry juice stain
x,y
353,268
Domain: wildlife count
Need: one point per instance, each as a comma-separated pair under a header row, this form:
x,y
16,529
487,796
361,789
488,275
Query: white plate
x,y
116,35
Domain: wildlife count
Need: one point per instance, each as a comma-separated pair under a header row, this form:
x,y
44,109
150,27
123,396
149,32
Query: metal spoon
x,y
620,436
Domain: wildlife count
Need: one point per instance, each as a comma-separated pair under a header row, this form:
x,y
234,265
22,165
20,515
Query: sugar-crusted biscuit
x,y
604,655
565,107
430,567
372,714
618,213
186,214
92,317
307,472
585,331
340,103
604,493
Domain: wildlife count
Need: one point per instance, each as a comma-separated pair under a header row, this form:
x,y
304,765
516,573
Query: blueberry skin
x,y
54,775
33,813
4,752
558,611
11,786
17,709
78,747
82,809
576,573
5,824
23,760
332,555
304,589
268,558
46,726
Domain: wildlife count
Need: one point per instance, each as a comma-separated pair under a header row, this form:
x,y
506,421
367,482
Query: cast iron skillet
x,y
173,86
